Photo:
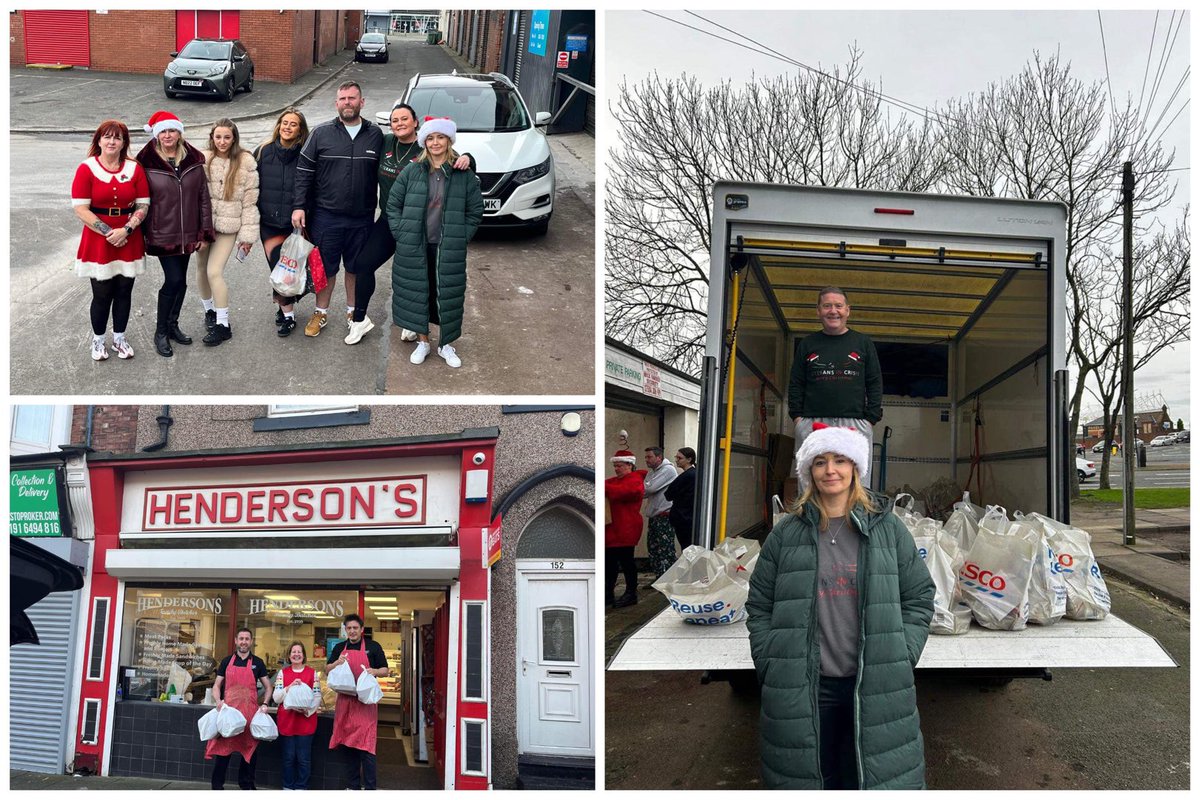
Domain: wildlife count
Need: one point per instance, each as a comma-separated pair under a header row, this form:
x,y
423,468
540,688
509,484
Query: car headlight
x,y
219,69
171,68
530,174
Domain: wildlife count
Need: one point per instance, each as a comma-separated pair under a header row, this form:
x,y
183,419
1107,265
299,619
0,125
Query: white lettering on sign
x,y
329,608
362,503
651,380
28,485
166,605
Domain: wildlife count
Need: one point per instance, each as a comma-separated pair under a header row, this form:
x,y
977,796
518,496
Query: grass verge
x,y
1175,497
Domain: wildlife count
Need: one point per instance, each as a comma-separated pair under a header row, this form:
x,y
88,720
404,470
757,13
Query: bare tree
x,y
677,137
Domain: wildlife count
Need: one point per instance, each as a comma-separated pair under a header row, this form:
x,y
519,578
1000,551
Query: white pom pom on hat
x,y
846,442
442,125
162,121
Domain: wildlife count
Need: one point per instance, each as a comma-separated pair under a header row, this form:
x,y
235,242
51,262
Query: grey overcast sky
x,y
927,57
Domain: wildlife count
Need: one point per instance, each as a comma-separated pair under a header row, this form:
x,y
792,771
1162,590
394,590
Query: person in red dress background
x,y
624,493
110,195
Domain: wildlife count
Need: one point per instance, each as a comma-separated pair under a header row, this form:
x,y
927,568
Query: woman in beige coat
x,y
233,186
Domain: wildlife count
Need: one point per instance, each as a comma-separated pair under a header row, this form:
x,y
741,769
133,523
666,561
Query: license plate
x,y
192,83
491,204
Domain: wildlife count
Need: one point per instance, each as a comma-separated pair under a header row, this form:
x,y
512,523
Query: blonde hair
x,y
451,154
234,156
858,498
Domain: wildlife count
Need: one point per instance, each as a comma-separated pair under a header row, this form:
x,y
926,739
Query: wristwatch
x,y
128,231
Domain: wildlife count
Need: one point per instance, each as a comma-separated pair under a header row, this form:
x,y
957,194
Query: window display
x,y
280,616
187,629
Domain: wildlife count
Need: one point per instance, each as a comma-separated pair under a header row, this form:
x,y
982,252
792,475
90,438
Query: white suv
x,y
512,156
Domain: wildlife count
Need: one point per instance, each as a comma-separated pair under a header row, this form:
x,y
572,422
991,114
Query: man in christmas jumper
x,y
835,376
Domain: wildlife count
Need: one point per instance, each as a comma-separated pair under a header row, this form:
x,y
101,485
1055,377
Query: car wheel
x,y
385,59
170,95
540,228
1082,476
228,96
249,87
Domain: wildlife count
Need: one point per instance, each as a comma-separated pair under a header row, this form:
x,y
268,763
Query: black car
x,y
371,47
212,67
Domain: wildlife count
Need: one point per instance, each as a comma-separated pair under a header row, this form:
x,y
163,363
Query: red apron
x,y
354,723
296,723
241,692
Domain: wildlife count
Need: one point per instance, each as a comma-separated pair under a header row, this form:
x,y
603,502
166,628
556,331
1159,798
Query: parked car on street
x,y
1098,447
1086,469
1163,441
211,67
371,47
1183,437
512,157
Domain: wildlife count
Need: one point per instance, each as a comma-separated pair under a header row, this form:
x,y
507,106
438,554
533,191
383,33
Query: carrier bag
x,y
316,272
230,721
299,697
341,680
262,727
208,726
962,527
709,587
1047,587
289,276
907,514
943,559
368,689
1087,594
995,577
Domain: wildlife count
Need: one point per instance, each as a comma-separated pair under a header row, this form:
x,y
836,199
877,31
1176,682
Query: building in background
x,y
463,536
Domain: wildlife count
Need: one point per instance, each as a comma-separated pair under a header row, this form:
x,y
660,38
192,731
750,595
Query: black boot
x,y
219,333
173,320
162,342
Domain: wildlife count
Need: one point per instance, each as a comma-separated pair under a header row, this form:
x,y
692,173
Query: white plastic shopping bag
x,y
298,697
368,688
262,727
341,680
710,587
230,721
289,275
208,726
962,526
1087,593
943,559
1047,588
996,574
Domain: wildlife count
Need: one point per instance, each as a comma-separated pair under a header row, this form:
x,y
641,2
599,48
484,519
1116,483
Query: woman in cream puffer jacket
x,y
233,186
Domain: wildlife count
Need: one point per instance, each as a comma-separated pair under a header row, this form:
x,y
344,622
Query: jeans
x,y
245,771
839,761
297,761
360,760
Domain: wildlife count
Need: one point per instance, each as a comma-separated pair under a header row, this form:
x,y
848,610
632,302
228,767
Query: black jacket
x,y
682,494
337,173
276,183
180,218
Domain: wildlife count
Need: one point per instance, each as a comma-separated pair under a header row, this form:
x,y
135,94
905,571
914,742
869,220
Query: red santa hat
x,y
624,457
846,442
163,121
442,125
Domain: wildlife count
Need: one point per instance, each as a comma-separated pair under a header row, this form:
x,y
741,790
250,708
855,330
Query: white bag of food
x,y
208,726
907,513
996,574
943,559
1087,593
262,727
962,527
1047,588
230,721
299,697
368,689
709,587
341,680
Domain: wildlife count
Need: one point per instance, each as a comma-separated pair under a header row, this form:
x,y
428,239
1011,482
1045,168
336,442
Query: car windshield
x,y
373,38
477,108
206,51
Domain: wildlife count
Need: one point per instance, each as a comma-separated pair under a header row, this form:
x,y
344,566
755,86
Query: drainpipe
x,y
164,425
87,434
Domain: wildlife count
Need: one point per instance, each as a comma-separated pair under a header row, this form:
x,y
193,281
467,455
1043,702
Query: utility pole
x,y
1129,434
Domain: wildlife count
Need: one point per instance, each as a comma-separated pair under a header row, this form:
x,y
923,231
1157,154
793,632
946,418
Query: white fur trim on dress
x,y
104,176
843,441
102,272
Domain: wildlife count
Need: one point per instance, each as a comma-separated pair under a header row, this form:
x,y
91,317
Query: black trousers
x,y
839,764
683,532
361,763
619,560
115,294
245,771
379,250
170,296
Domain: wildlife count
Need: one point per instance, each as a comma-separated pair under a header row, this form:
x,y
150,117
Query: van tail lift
x,y
737,265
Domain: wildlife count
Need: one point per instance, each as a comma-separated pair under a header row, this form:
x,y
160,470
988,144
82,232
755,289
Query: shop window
x,y
475,654
279,617
473,746
91,722
310,415
170,637
100,608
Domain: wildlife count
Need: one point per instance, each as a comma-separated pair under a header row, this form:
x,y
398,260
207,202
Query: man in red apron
x,y
355,723
237,682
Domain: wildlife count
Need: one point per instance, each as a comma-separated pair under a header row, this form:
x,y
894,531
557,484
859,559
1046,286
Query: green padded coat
x,y
461,216
895,607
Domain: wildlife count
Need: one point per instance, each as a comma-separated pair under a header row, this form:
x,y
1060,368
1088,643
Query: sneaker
x,y
317,321
122,348
210,321
407,336
220,333
285,326
100,352
418,355
279,318
446,351
359,330
349,319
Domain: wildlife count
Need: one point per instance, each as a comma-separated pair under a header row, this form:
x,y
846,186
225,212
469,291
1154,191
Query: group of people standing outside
x,y
238,681
659,497
172,200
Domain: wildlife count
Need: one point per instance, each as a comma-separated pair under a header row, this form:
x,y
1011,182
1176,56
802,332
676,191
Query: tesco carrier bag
x,y
1087,593
1047,588
709,587
290,274
995,577
943,559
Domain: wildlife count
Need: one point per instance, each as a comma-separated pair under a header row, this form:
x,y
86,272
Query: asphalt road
x,y
1165,467
530,307
1086,729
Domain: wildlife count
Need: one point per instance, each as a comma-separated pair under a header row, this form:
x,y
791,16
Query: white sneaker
x,y
122,349
99,350
446,351
359,330
407,336
418,355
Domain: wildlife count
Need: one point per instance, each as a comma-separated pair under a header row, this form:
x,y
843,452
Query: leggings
x,y
839,764
210,269
619,559
379,250
116,293
170,296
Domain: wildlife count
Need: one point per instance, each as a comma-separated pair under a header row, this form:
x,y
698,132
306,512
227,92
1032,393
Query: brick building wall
x,y
114,428
261,32
16,39
149,35
478,36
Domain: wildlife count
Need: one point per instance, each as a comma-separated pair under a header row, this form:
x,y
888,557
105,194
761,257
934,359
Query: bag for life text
x,y
996,574
709,587
341,680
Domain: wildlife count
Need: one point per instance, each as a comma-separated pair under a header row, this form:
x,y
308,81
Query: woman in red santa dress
x,y
623,492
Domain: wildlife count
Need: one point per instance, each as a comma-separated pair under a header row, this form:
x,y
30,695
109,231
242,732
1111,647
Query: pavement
x,y
19,780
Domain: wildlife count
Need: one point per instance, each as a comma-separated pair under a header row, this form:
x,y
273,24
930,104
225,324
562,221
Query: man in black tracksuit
x,y
336,178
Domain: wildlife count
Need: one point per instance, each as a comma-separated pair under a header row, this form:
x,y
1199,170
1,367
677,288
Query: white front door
x,y
555,697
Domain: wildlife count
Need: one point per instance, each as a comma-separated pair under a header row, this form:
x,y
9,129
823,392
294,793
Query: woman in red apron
x,y
296,728
240,690
355,723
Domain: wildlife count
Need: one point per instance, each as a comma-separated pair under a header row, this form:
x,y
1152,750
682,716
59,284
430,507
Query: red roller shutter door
x,y
205,25
57,37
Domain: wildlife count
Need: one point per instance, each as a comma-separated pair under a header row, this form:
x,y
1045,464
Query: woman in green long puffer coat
x,y
839,609
433,211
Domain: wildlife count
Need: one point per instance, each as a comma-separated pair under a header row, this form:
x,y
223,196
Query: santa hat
x,y
846,442
624,457
442,125
163,121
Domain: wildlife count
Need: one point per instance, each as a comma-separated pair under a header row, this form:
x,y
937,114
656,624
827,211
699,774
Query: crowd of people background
x,y
172,200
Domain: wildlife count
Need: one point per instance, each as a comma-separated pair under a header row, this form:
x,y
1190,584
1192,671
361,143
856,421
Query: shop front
x,y
192,546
